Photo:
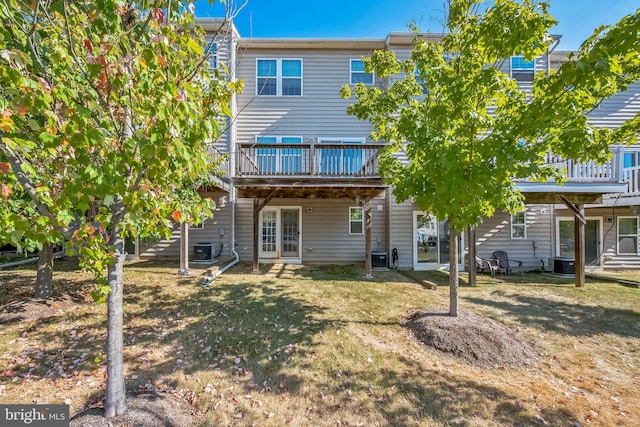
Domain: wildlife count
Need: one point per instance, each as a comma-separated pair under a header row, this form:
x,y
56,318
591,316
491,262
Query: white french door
x,y
280,232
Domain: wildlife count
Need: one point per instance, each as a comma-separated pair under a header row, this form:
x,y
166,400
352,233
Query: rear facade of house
x,y
302,183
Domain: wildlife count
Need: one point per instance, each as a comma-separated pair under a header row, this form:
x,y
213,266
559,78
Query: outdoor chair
x,y
507,265
489,264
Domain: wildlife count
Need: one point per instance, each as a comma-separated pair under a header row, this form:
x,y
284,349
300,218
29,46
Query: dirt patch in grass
x,y
471,338
27,309
145,409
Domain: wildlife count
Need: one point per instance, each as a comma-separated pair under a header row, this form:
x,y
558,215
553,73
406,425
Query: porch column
x,y
256,234
367,239
471,238
579,262
184,249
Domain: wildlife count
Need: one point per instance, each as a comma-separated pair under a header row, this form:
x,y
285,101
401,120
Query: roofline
x,y
214,24
311,43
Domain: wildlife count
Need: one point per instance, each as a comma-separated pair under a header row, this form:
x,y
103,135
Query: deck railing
x,y
577,171
308,160
361,161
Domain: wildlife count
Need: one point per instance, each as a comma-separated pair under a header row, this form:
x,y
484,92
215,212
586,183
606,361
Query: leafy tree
x,y
107,112
468,130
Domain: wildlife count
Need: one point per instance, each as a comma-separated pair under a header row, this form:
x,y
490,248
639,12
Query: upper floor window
x,y
212,52
522,70
358,73
279,77
279,161
420,81
519,225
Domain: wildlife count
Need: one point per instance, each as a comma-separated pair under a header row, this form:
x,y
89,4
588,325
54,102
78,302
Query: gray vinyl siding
x,y
609,218
324,234
401,230
612,112
494,234
319,112
170,248
224,58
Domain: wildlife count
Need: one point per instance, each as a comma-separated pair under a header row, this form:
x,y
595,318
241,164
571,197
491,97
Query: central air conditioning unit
x,y
378,259
203,252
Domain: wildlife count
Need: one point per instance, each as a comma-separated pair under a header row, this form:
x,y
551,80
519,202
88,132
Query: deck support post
x,y
579,264
367,239
256,234
579,224
184,249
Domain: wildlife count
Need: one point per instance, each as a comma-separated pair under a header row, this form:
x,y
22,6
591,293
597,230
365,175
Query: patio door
x,y
431,243
565,240
280,234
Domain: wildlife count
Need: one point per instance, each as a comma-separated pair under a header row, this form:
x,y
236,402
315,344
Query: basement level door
x,y
565,240
280,233
431,243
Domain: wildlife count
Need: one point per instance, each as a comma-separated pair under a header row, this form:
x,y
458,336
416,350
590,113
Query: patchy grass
x,y
300,345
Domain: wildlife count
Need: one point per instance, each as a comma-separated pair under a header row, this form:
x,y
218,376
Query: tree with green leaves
x,y
108,110
468,130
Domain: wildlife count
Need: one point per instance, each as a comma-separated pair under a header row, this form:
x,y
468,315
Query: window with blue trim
x,y
279,77
522,70
358,73
287,161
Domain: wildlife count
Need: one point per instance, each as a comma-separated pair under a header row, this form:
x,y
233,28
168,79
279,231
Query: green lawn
x,y
298,345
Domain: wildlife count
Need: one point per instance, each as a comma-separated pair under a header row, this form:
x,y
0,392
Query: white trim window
x,y
519,225
198,226
279,161
213,53
521,69
346,160
358,73
278,77
356,220
627,235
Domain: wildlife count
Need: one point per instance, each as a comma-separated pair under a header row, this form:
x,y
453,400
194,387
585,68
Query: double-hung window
x,y
280,161
521,69
519,225
279,77
358,73
356,221
212,53
340,157
627,235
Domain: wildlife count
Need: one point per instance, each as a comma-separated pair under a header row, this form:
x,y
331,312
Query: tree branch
x,y
23,179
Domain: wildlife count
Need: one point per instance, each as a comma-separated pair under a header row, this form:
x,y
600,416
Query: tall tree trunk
x,y
453,270
116,398
44,278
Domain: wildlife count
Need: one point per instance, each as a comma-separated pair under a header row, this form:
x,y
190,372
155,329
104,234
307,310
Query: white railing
x,y
577,171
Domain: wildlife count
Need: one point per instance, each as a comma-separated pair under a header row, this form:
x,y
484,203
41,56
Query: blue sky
x,y
376,18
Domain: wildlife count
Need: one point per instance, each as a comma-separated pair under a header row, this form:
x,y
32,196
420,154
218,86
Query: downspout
x,y
232,167
232,242
550,50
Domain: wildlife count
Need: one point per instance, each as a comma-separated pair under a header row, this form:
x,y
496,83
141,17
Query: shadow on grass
x,y
562,317
252,332
448,400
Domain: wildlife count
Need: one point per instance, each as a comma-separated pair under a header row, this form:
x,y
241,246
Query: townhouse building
x,y
301,184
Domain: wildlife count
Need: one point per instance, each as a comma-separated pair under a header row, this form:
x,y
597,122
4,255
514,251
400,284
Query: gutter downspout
x,y
232,168
549,51
233,243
